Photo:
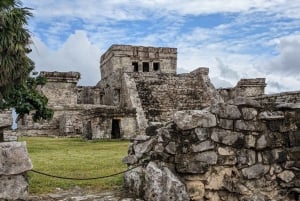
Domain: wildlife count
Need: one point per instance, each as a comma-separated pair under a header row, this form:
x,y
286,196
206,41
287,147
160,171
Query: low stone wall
x,y
14,163
228,151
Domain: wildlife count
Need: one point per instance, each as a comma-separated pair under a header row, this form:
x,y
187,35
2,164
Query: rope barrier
x,y
91,178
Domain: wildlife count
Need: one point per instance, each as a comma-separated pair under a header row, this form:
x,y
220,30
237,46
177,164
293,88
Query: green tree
x,y
17,88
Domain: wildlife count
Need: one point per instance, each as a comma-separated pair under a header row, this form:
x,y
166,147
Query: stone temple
x,y
139,87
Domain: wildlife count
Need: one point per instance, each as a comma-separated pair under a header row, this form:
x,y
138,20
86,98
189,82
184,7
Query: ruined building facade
x,y
139,86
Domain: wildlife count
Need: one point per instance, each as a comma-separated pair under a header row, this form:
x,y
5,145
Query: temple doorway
x,y
115,130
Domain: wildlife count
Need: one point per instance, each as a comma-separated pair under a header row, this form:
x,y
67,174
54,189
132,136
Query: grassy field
x,y
74,157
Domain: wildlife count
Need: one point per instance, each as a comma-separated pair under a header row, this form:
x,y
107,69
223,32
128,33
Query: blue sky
x,y
234,38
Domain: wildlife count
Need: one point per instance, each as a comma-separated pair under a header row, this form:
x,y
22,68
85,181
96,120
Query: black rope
x,y
91,178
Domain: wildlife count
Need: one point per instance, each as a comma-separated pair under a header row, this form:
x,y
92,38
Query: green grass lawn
x,y
74,157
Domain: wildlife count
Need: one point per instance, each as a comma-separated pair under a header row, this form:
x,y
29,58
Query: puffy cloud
x,y
76,54
288,60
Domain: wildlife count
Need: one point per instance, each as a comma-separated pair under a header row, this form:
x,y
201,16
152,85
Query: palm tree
x,y
14,45
17,88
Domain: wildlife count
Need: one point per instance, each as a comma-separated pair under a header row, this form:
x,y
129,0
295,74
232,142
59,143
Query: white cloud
x,y
76,54
240,44
288,60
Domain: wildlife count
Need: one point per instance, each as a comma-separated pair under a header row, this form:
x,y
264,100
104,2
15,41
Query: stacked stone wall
x,y
162,95
284,97
229,151
14,163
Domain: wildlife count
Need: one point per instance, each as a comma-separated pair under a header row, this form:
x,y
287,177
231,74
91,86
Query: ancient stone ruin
x,y
138,87
190,141
238,150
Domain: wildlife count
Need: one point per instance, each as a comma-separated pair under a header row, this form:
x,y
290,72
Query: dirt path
x,y
78,194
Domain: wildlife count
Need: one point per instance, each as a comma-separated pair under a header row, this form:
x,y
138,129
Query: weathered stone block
x,y
293,165
254,172
226,111
171,148
162,184
226,124
288,106
249,113
271,115
249,125
130,159
202,146
246,157
217,178
262,142
286,176
195,190
144,147
226,151
134,181
193,167
202,133
244,101
274,156
227,160
227,137
294,154
250,141
189,119
14,163
13,187
5,118
294,138
14,158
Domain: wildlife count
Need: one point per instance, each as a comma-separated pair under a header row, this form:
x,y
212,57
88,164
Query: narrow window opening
x,y
115,129
135,66
145,66
155,66
102,97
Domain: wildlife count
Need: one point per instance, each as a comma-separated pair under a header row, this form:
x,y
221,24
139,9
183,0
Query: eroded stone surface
x,y
189,119
14,158
162,184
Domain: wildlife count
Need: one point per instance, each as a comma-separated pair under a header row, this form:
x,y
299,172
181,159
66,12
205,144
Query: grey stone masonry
x,y
257,158
14,163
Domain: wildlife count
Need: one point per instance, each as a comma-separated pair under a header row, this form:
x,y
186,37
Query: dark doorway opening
x,y
155,66
88,130
115,129
145,66
135,66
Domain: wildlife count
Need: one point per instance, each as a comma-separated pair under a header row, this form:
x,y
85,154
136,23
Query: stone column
x,y
14,163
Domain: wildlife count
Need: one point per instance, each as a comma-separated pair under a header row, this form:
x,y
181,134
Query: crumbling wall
x,y
245,88
229,151
5,123
163,94
97,122
60,88
88,95
14,163
284,97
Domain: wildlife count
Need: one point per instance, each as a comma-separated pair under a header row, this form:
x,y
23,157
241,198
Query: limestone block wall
x,y
245,88
284,97
161,95
14,163
5,118
66,120
88,95
60,88
121,57
98,123
229,151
